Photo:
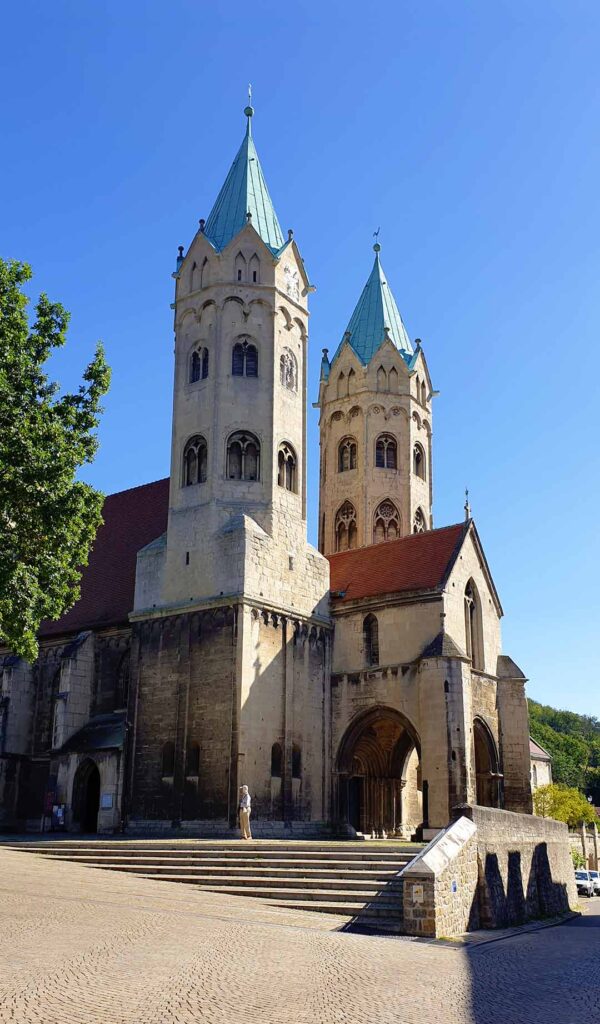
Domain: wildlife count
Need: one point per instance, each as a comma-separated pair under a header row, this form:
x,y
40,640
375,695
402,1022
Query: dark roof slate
x,y
442,646
103,732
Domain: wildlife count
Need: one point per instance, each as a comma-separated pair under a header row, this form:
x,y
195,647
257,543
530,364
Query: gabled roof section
x,y
443,646
132,519
245,191
416,563
375,317
537,752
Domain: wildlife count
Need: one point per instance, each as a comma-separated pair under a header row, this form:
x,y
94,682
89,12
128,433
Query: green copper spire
x,y
375,317
244,192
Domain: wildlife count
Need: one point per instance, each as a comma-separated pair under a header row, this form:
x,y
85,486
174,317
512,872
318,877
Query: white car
x,y
595,876
585,883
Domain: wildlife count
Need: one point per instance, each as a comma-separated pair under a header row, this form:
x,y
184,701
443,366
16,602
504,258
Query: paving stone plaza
x,y
80,945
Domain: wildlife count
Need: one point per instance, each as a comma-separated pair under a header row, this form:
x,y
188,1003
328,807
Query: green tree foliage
x,y
48,520
563,803
574,743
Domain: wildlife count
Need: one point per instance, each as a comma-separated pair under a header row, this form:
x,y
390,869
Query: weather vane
x,y
250,93
376,246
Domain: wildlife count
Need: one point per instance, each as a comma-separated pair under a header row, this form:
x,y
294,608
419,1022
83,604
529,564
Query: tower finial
x,y
249,110
376,247
467,504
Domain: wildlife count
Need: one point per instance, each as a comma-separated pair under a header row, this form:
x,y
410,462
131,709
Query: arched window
x,y
345,527
244,359
371,640
487,774
423,393
386,450
296,761
346,454
287,467
199,365
288,370
255,269
195,277
240,267
386,525
276,761
419,461
243,457
342,385
351,382
205,274
418,387
192,759
473,626
419,523
168,760
195,459
382,384
393,380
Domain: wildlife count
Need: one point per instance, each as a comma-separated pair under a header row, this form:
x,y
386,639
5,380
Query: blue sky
x,y
467,131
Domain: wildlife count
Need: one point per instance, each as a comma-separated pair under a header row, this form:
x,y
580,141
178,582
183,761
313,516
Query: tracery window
x,y
347,454
243,456
419,461
473,628
199,365
386,452
287,467
345,527
195,460
244,359
419,523
386,524
288,370
371,640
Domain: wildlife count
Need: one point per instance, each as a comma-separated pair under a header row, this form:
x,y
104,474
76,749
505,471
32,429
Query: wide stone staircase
x,y
357,880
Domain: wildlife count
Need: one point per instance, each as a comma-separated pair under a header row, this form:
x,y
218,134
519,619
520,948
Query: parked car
x,y
595,876
585,883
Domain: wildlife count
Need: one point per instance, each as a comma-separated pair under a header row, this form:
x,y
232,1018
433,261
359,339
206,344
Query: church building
x,y
360,687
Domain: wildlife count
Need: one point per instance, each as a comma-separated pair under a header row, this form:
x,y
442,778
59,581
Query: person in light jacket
x,y
245,806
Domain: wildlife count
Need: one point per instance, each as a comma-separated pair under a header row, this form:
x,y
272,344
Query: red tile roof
x,y
418,562
132,519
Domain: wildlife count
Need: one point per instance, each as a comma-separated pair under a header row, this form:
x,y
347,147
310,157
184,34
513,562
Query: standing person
x,y
245,807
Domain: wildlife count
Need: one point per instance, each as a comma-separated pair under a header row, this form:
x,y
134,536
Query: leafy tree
x,y
574,743
48,520
563,803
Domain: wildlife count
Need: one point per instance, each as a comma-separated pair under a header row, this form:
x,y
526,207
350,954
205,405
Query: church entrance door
x,y
86,796
378,773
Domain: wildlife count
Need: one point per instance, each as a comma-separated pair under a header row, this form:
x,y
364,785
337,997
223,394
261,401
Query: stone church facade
x,y
360,686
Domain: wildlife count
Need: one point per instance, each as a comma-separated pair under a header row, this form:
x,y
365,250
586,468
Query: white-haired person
x,y
245,806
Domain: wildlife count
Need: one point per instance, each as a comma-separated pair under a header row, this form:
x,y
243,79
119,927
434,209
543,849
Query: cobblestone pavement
x,y
79,945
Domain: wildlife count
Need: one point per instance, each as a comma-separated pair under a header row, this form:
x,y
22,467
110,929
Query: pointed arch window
x,y
195,461
287,467
288,370
244,359
199,365
473,626
419,522
347,454
255,269
345,527
386,524
243,457
205,273
240,267
382,381
342,385
423,393
386,452
419,461
351,382
371,640
393,380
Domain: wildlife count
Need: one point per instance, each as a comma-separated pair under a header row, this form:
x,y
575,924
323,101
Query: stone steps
x,y
343,878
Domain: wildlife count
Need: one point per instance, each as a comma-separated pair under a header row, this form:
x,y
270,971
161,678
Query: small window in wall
x,y
296,761
342,385
386,524
371,640
192,759
168,760
351,382
419,461
244,359
199,365
276,761
347,454
423,393
243,457
345,527
240,267
287,468
419,523
386,452
195,461
255,269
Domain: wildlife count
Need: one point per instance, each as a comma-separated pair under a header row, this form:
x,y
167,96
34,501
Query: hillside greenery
x,y
574,743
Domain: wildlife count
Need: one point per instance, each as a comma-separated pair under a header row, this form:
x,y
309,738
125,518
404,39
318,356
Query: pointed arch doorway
x,y
86,796
378,772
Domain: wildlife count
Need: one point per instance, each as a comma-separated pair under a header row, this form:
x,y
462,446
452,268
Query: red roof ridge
x,y
137,487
